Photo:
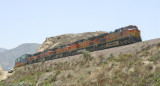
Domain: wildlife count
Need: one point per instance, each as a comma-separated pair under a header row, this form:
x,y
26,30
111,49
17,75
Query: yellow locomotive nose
x,y
135,33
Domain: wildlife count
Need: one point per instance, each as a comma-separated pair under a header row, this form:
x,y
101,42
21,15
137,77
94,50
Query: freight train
x,y
122,36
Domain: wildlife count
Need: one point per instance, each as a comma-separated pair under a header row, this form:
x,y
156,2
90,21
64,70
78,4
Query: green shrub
x,y
81,78
1,84
157,78
111,57
153,59
148,79
124,58
157,68
48,70
145,53
158,44
149,67
46,83
87,55
29,80
54,77
69,75
101,57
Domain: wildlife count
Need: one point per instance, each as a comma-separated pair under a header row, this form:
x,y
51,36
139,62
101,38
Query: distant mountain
x,y
7,58
2,50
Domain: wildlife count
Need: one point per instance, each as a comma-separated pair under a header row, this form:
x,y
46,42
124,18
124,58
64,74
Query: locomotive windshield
x,y
132,28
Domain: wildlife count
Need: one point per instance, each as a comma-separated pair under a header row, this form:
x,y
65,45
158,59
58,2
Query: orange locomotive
x,y
122,36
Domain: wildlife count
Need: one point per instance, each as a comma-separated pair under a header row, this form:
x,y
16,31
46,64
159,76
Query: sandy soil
x,y
4,75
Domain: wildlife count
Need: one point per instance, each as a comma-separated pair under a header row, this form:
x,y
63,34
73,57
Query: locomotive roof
x,y
80,40
102,35
37,53
23,55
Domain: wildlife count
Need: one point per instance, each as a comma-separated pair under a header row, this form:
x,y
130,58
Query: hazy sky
x,y
32,21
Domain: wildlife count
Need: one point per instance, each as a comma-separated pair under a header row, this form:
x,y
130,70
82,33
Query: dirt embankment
x,y
3,74
136,64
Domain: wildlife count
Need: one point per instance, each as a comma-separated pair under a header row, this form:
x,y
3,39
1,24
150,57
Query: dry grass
x,y
87,70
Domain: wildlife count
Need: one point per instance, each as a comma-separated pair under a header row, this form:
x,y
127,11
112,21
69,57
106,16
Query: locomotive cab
x,y
134,32
17,62
21,60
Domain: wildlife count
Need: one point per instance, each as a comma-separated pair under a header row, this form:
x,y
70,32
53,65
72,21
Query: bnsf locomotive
x,y
122,36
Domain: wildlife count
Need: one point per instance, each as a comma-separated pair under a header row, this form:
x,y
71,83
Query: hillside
x,y
66,38
8,57
2,50
136,64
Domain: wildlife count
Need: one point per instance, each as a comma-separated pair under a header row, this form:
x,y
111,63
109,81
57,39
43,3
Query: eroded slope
x,y
135,64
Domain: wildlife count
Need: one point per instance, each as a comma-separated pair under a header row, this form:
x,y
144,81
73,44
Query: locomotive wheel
x,y
120,43
91,49
30,62
74,53
104,46
43,59
129,42
66,54
101,47
53,57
